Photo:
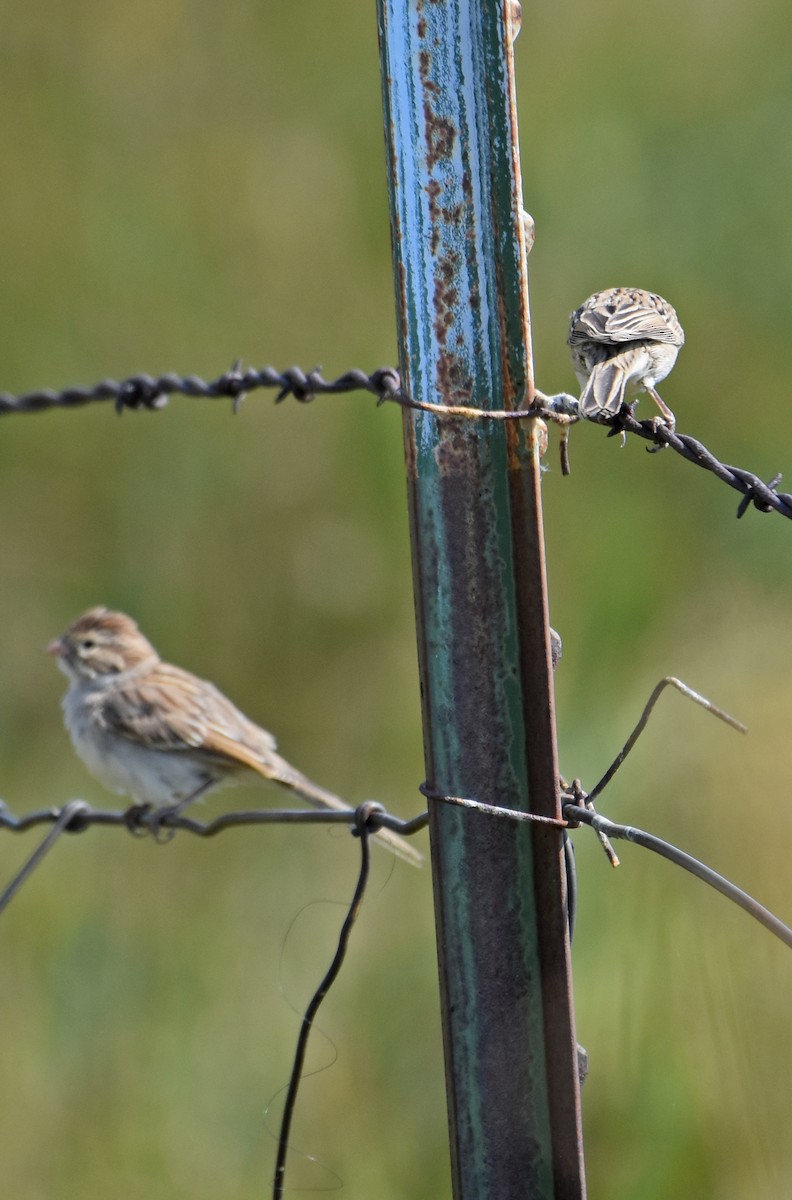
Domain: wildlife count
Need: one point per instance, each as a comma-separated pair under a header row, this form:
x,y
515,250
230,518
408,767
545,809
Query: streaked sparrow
x,y
623,340
161,735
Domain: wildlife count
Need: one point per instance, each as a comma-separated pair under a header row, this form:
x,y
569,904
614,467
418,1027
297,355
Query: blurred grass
x,y
185,183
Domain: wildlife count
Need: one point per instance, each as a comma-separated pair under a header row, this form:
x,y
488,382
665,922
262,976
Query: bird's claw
x,y
145,820
667,423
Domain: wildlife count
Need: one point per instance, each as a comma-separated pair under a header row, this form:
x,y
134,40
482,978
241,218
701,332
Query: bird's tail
x,y
604,390
288,776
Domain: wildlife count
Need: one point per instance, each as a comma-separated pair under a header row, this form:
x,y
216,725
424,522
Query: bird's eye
x,y
87,644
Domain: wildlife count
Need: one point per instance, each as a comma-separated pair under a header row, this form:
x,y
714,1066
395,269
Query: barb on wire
x,y
363,817
576,812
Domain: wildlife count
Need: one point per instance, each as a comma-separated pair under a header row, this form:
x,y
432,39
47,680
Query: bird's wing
x,y
628,319
634,321
171,709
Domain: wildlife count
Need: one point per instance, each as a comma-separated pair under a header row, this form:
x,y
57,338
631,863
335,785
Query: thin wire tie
x,y
494,810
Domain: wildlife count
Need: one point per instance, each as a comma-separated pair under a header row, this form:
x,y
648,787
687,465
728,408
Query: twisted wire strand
x,y
152,393
77,816
755,491
81,815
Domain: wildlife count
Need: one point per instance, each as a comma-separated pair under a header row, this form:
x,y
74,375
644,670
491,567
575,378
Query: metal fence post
x,y
475,514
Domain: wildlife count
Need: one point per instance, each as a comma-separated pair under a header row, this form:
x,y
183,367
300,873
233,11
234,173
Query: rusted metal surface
x,y
460,270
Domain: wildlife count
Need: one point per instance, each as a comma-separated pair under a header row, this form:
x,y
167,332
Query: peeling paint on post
x,y
478,556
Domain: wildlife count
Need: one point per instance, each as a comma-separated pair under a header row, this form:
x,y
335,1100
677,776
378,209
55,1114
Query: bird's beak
x,y
56,647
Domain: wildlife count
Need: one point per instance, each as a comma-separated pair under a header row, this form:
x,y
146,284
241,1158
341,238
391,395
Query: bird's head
x,y
101,643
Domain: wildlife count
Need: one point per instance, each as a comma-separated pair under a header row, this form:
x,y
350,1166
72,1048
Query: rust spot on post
x,y
440,132
446,295
454,379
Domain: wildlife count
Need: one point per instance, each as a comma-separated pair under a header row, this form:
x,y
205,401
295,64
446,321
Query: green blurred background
x,y
188,182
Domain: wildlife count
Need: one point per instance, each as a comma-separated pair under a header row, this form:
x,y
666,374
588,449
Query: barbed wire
x,y
755,491
153,393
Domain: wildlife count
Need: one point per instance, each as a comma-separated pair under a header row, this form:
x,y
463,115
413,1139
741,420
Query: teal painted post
x,y
481,605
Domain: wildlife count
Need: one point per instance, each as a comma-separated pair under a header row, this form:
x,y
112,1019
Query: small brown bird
x,y
161,735
623,340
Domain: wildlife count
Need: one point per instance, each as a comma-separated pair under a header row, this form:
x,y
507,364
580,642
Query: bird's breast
x,y
149,776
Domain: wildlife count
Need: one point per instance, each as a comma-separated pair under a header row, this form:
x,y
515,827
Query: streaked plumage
x,y
623,340
155,732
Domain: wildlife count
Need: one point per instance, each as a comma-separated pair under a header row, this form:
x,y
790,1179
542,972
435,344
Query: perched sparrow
x,y
623,340
157,733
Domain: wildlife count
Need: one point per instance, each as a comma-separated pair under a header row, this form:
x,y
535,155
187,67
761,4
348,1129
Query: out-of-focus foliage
x,y
184,183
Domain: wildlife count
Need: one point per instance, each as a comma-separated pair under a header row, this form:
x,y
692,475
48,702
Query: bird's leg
x,y
668,419
145,818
